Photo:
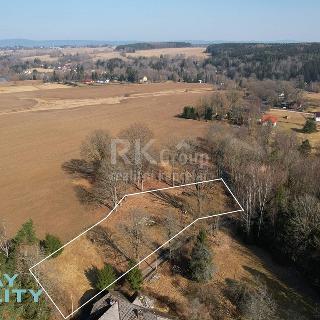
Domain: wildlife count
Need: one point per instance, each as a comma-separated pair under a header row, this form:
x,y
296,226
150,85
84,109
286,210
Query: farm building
x,y
268,118
317,116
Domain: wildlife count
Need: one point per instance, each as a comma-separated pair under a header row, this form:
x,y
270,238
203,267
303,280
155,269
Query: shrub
x,y
189,112
106,276
52,244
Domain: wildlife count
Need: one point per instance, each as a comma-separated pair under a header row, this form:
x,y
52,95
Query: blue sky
x,y
238,20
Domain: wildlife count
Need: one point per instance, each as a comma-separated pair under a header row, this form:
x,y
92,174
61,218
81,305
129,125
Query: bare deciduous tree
x,y
110,183
96,146
135,231
140,153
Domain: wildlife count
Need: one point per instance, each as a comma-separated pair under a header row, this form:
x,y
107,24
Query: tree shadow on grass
x,y
92,275
297,130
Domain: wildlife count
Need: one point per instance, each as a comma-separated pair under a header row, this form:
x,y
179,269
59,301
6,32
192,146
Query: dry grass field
x,y
313,101
108,53
42,126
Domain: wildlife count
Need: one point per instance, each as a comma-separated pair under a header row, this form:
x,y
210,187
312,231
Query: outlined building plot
x,y
140,228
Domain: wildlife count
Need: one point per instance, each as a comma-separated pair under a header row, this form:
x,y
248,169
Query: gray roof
x,y
122,309
112,313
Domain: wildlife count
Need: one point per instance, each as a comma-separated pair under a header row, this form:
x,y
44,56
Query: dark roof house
x,y
114,306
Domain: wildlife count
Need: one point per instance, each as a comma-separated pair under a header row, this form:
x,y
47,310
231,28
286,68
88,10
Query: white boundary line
x,y
152,253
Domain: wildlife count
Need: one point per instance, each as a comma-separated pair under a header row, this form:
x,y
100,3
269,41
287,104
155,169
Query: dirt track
x,y
34,144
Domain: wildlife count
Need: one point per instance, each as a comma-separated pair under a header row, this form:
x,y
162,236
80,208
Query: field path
x,y
63,104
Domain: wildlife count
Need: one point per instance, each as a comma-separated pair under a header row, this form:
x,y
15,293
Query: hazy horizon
x,y
206,20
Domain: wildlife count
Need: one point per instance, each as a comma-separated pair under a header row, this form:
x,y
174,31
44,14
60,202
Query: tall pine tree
x,y
201,265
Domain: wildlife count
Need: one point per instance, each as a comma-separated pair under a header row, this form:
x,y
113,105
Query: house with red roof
x,y
269,119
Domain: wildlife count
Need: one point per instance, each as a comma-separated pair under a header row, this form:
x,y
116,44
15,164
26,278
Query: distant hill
x,y
132,47
129,44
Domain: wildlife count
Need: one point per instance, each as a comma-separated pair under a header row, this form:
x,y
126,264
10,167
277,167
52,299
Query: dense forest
x,y
268,61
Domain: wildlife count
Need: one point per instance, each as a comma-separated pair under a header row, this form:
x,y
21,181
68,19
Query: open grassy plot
x,y
138,228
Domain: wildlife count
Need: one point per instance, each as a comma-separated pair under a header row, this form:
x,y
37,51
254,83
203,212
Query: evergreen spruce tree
x,y
134,277
201,266
310,126
106,276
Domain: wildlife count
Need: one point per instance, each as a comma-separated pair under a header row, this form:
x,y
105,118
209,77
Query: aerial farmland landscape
x,y
159,160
